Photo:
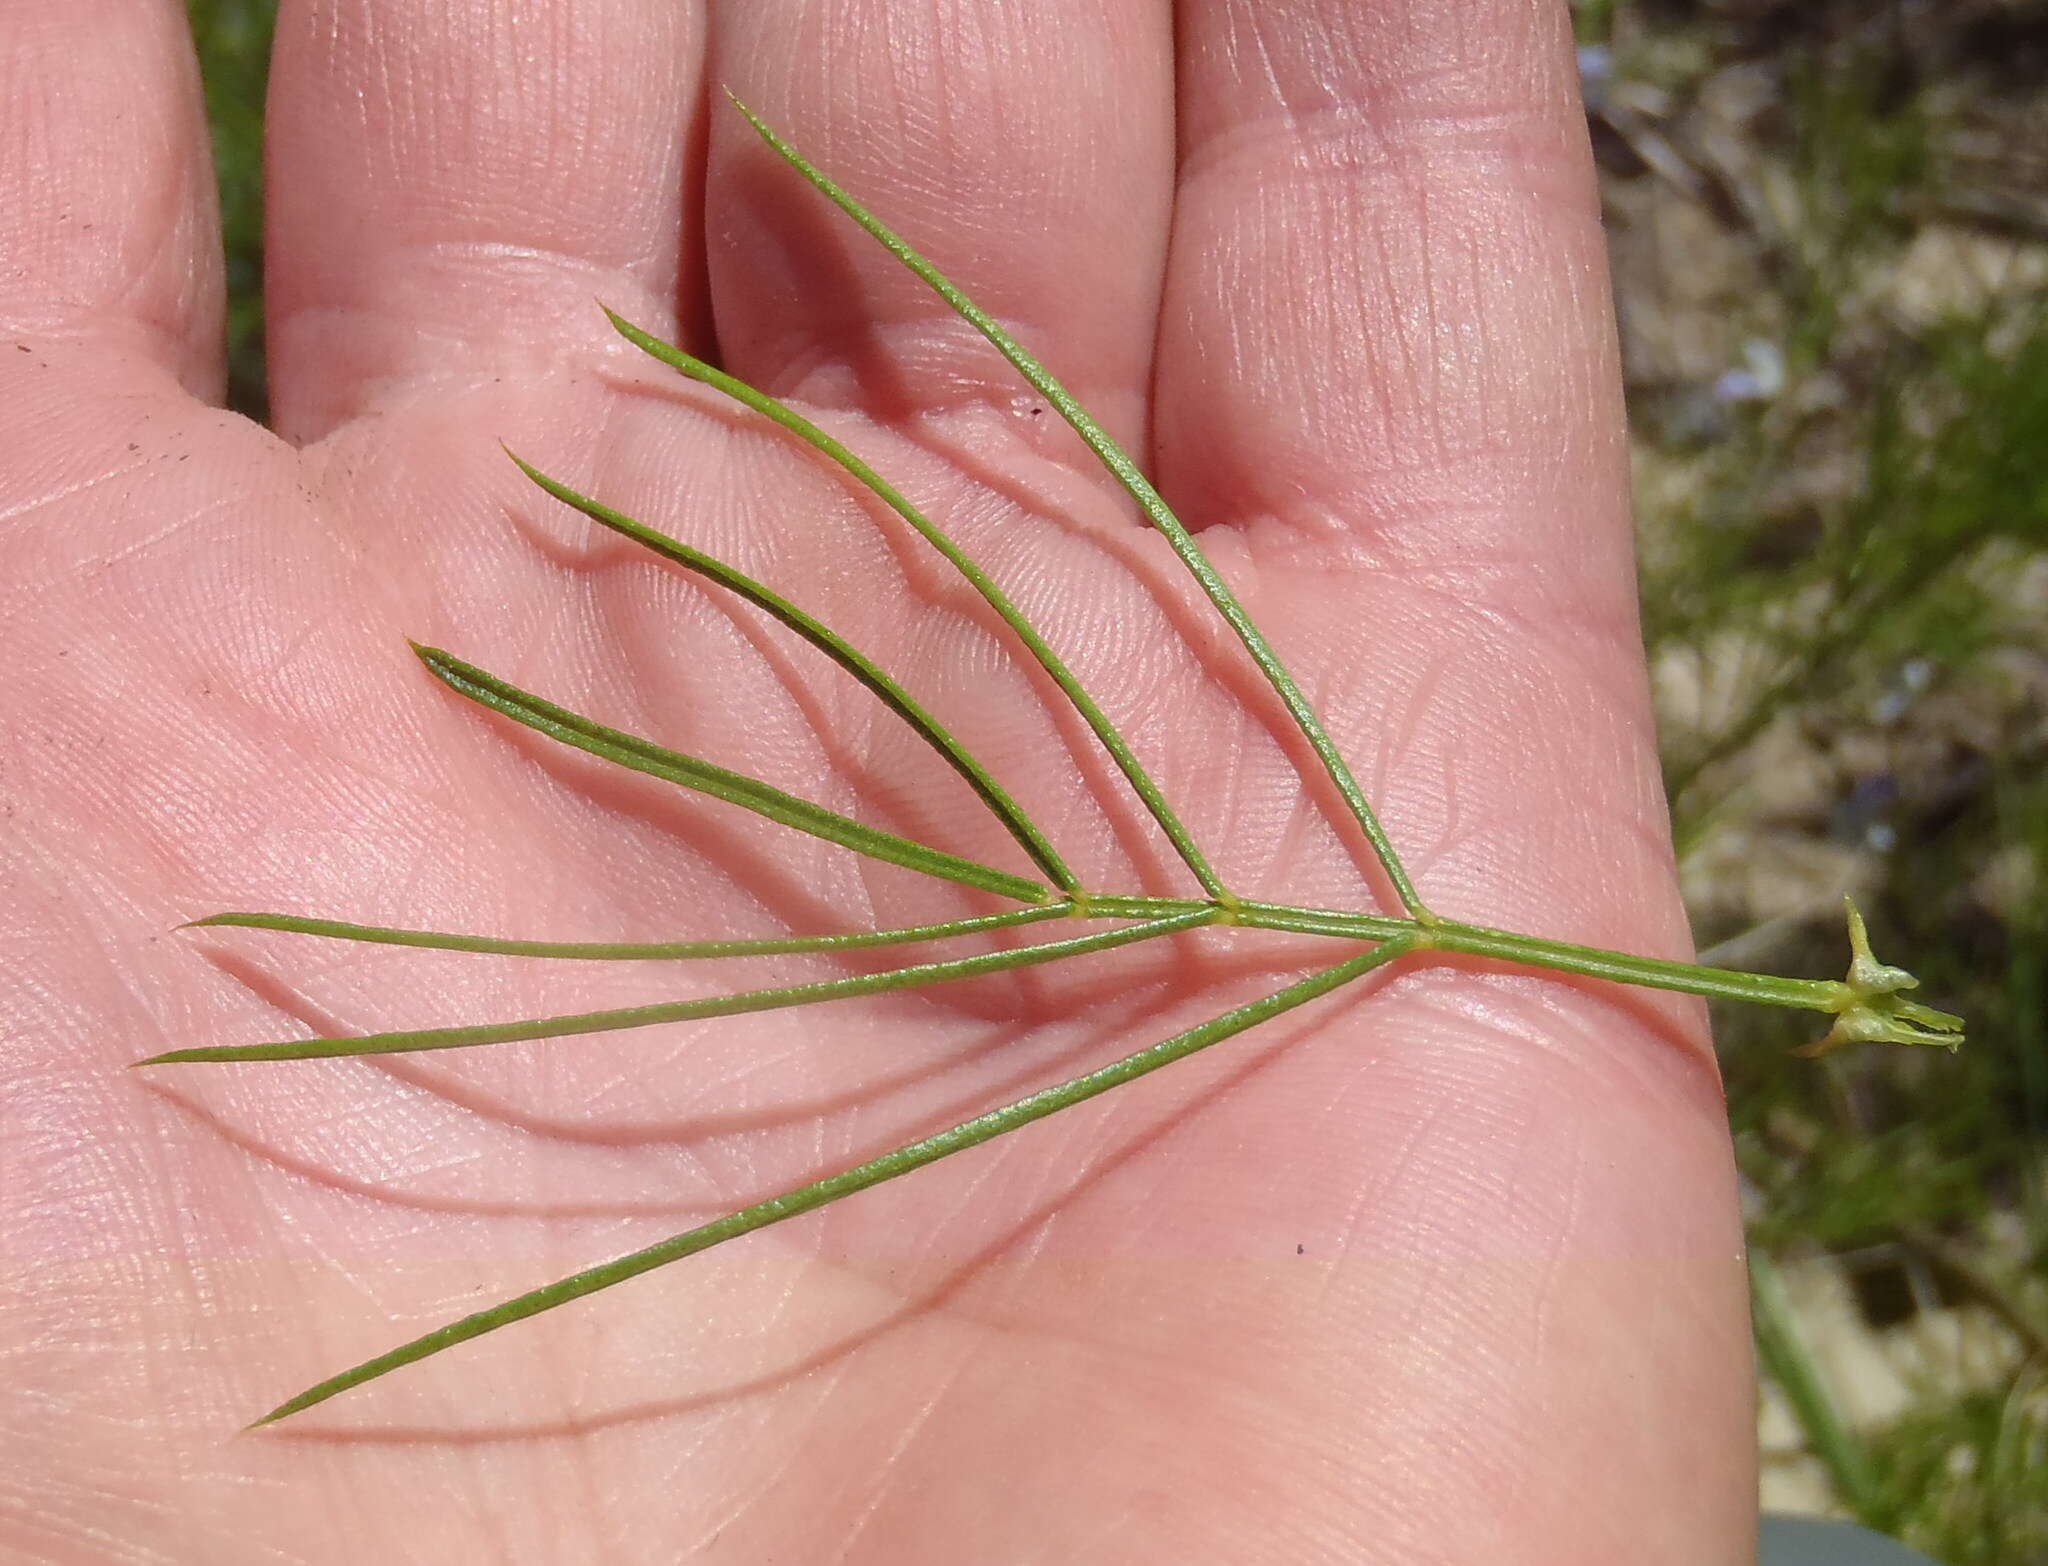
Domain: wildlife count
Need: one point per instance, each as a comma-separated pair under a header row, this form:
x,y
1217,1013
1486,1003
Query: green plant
x,y
1868,1005
234,42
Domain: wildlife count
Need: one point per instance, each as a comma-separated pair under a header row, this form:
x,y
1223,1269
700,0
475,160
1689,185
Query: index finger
x,y
110,232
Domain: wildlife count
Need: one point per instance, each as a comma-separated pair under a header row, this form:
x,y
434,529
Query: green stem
x,y
1597,962
1868,1006
1626,968
779,998
1111,738
834,1187
1782,1351
1125,471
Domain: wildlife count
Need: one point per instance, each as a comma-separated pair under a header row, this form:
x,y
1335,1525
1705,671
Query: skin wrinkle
x,y
315,1173
22,510
939,184
854,779
552,213
952,369
1390,268
1141,554
723,1398
859,779
913,1428
1426,324
1382,140
1034,1223
1517,1005
1247,15
1143,845
769,1492
443,1086
722,841
617,1134
829,1381
1002,745
1100,1165
1543,1301
109,285
1363,1201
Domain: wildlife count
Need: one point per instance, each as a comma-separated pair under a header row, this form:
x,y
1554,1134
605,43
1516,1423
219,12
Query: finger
x,y
1385,343
1387,308
1026,149
110,231
1386,346
452,181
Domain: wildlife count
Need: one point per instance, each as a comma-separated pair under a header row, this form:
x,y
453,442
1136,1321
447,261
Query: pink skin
x,y
1444,1269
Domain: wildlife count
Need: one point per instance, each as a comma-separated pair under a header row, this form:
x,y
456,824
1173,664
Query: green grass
x,y
1843,588
1836,595
233,37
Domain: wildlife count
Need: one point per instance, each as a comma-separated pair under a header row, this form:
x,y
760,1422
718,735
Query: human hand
x,y
1444,1271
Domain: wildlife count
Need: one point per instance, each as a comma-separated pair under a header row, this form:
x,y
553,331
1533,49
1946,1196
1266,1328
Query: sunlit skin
x,y
1444,1267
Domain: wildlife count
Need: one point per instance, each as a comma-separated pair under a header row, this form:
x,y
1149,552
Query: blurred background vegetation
x,y
1829,225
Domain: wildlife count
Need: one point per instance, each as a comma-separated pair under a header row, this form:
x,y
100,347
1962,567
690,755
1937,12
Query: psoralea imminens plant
x,y
1869,1004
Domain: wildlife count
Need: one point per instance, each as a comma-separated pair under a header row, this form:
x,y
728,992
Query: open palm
x,y
1444,1268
